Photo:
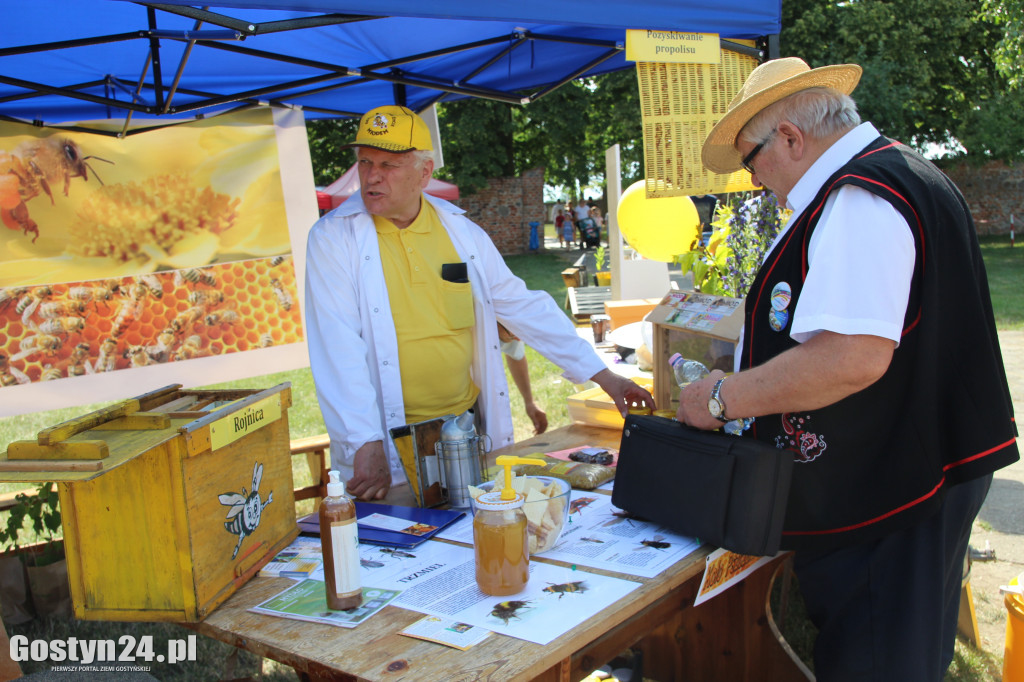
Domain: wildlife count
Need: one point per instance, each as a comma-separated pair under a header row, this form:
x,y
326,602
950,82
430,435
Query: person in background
x,y
581,213
595,215
403,295
556,208
515,359
896,411
568,231
559,225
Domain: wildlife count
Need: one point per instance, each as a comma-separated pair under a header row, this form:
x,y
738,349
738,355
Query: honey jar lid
x,y
492,501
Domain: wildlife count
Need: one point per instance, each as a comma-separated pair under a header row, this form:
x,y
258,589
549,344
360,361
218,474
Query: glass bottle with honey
x,y
500,543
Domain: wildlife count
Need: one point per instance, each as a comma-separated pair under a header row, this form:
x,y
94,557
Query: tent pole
x,y
181,66
154,51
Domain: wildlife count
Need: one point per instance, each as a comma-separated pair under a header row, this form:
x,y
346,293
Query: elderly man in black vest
x,y
869,354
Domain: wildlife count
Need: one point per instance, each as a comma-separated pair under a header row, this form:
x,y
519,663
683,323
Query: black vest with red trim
x,y
881,459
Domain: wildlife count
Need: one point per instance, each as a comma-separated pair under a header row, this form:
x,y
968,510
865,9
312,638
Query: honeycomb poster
x,y
161,249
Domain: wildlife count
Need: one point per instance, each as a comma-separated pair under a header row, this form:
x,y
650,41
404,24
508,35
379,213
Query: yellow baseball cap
x,y
392,129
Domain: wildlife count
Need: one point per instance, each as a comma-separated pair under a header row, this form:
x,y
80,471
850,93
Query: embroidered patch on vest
x,y
797,439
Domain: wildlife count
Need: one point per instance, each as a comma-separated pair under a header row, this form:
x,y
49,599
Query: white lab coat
x,y
353,346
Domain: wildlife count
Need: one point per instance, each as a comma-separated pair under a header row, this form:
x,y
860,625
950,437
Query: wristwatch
x,y
716,406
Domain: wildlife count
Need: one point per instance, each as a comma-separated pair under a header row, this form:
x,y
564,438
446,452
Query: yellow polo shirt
x,y
433,318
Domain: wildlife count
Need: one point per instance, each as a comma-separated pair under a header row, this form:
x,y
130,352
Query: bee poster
x,y
130,262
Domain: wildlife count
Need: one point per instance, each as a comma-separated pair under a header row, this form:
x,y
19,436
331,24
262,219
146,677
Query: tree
x,y
325,139
929,76
566,132
1009,52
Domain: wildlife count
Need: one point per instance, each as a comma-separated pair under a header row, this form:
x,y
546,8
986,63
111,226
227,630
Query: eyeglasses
x,y
749,158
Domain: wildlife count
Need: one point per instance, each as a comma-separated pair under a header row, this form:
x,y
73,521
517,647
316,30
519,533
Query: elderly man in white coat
x,y
403,297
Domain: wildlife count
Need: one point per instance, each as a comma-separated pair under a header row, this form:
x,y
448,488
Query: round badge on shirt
x,y
778,319
782,294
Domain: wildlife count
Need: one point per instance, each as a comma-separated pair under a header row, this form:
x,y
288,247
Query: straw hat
x,y
392,129
767,84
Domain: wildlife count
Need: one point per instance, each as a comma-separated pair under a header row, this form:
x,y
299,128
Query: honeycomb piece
x,y
61,330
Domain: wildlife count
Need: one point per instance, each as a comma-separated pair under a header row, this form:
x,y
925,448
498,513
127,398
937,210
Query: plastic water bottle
x,y
687,371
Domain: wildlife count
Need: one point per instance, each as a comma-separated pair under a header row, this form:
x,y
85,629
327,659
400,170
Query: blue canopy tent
x,y
81,60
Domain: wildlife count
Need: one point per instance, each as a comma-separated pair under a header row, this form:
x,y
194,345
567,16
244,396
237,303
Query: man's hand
x,y
624,392
371,475
693,402
538,417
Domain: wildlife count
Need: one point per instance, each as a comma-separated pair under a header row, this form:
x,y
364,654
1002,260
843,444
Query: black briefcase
x,y
723,489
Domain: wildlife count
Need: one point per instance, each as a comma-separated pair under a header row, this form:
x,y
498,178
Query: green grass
x,y
540,271
1005,267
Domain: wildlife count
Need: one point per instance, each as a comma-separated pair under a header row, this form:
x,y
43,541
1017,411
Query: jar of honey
x,y
500,545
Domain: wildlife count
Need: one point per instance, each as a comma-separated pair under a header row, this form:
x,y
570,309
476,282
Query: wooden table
x,y
730,637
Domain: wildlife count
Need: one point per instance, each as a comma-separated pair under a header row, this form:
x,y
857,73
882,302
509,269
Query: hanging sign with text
x,y
672,47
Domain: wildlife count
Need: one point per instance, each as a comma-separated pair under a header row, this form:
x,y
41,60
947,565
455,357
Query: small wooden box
x,y
594,407
171,501
699,327
629,311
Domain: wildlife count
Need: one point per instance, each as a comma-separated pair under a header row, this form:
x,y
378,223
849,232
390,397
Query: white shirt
x,y
353,346
581,211
860,256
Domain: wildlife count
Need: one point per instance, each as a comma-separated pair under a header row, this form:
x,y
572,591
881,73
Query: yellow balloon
x,y
658,229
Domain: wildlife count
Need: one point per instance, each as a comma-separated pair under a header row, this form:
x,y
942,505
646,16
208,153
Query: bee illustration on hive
x,y
246,509
35,167
509,609
566,588
657,543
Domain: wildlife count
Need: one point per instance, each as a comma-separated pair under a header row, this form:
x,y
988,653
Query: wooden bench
x,y
587,301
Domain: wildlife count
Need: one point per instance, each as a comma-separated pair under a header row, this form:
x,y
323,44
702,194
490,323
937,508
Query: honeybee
x,y
266,340
191,347
207,297
195,276
155,286
187,318
8,294
10,376
38,166
62,325
102,292
50,373
38,343
508,609
137,356
107,360
566,588
54,309
30,301
284,299
160,350
277,260
216,317
137,291
368,563
126,314
78,364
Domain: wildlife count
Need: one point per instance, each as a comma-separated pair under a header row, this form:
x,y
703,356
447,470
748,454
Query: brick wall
x,y
993,192
505,209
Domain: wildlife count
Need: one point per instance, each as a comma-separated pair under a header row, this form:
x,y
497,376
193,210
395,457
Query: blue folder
x,y
378,536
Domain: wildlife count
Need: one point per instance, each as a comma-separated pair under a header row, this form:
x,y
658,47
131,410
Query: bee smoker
x,y
461,455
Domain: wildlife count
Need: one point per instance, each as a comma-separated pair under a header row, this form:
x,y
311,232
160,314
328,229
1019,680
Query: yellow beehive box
x,y
170,501
594,407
